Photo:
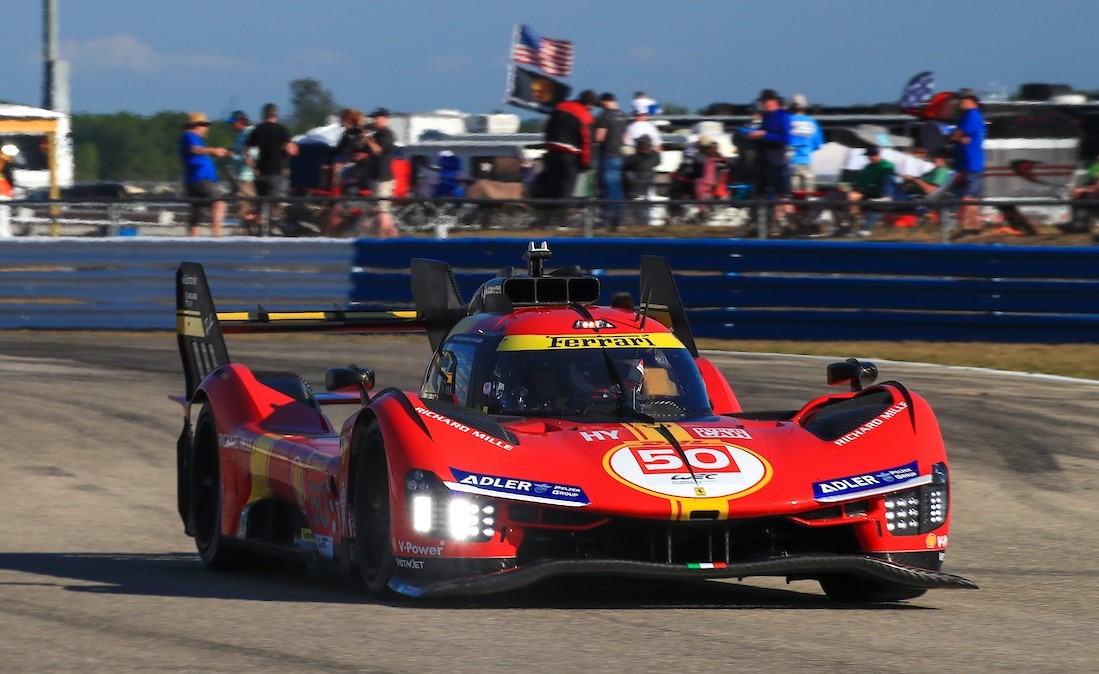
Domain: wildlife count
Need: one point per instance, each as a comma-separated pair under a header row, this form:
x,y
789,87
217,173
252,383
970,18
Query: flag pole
x,y
510,82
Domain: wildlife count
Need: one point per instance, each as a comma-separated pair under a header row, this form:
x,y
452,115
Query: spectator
x,y
610,133
350,143
770,144
642,102
271,139
241,175
7,187
1090,188
876,180
200,176
568,135
710,161
805,139
930,182
969,161
641,126
379,144
7,170
638,170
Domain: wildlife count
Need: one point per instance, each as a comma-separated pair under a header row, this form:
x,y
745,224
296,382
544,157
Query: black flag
x,y
534,91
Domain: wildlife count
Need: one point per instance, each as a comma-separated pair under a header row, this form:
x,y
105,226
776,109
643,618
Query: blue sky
x,y
150,55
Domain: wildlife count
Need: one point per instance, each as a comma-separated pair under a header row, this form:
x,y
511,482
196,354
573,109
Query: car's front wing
x,y
864,567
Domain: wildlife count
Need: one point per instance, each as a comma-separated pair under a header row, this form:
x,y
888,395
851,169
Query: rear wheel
x,y
373,547
845,588
206,498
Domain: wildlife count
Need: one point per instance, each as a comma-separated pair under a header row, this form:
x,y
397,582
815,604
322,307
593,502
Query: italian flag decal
x,y
706,565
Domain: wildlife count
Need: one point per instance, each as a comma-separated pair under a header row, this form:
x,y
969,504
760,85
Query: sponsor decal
x,y
306,536
718,469
410,548
232,441
878,482
663,340
871,425
721,433
523,490
403,563
459,426
936,541
598,436
324,546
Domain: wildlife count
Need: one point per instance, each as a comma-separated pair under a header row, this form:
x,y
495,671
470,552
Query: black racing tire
x,y
373,545
852,589
206,499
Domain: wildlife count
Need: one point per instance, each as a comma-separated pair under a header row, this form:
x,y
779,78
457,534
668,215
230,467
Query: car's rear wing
x,y
200,328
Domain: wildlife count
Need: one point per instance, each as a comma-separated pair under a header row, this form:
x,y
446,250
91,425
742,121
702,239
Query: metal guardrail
x,y
806,290
440,218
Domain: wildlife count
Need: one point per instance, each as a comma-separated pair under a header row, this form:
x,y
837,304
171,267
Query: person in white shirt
x,y
641,126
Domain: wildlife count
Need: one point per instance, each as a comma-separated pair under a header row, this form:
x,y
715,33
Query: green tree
x,y
675,109
311,103
86,161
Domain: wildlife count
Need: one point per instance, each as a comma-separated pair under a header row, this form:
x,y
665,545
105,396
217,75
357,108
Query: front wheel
x,y
845,588
373,547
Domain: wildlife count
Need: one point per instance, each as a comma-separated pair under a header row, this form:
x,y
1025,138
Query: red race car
x,y
551,436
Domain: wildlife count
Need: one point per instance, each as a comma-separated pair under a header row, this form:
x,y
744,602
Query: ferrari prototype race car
x,y
551,436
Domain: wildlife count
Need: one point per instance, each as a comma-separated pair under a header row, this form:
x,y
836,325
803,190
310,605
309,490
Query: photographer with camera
x,y
376,161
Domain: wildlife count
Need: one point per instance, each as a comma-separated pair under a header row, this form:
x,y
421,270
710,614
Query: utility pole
x,y
55,87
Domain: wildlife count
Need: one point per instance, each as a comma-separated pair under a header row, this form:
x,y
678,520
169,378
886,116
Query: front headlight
x,y
436,511
921,509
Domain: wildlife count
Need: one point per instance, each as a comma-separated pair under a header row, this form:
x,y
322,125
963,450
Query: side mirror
x,y
339,378
854,372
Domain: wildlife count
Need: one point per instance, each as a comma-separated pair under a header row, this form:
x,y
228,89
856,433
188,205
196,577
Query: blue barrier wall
x,y
807,290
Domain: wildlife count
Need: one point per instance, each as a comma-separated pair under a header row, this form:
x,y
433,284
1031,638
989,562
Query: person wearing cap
x,y
610,133
876,180
805,139
771,141
378,147
200,176
241,176
969,161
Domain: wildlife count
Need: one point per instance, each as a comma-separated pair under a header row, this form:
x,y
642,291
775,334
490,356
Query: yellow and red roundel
x,y
715,470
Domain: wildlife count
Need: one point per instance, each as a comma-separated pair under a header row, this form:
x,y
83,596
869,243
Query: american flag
x,y
917,92
553,57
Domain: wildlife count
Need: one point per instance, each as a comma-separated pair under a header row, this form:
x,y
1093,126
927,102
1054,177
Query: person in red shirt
x,y
568,136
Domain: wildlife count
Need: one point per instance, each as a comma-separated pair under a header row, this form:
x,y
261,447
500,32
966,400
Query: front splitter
x,y
868,568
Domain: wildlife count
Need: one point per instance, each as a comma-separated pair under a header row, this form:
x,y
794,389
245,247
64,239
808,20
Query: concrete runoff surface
x,y
96,574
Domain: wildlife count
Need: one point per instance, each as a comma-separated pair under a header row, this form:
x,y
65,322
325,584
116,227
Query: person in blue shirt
x,y
805,139
200,176
770,143
969,160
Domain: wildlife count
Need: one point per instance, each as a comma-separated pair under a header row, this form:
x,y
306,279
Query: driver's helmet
x,y
521,386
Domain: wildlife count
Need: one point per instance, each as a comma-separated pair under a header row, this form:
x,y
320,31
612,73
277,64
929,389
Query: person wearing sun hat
x,y
200,176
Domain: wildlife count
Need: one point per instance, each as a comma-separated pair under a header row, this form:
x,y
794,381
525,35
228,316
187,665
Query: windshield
x,y
597,383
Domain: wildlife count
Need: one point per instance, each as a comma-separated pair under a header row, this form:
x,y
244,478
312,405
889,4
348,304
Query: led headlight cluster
x,y
437,511
920,509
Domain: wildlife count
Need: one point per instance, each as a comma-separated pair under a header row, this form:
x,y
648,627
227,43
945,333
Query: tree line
x,y
128,146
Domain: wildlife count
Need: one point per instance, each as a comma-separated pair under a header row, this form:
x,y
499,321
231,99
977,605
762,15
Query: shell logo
x,y
704,470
